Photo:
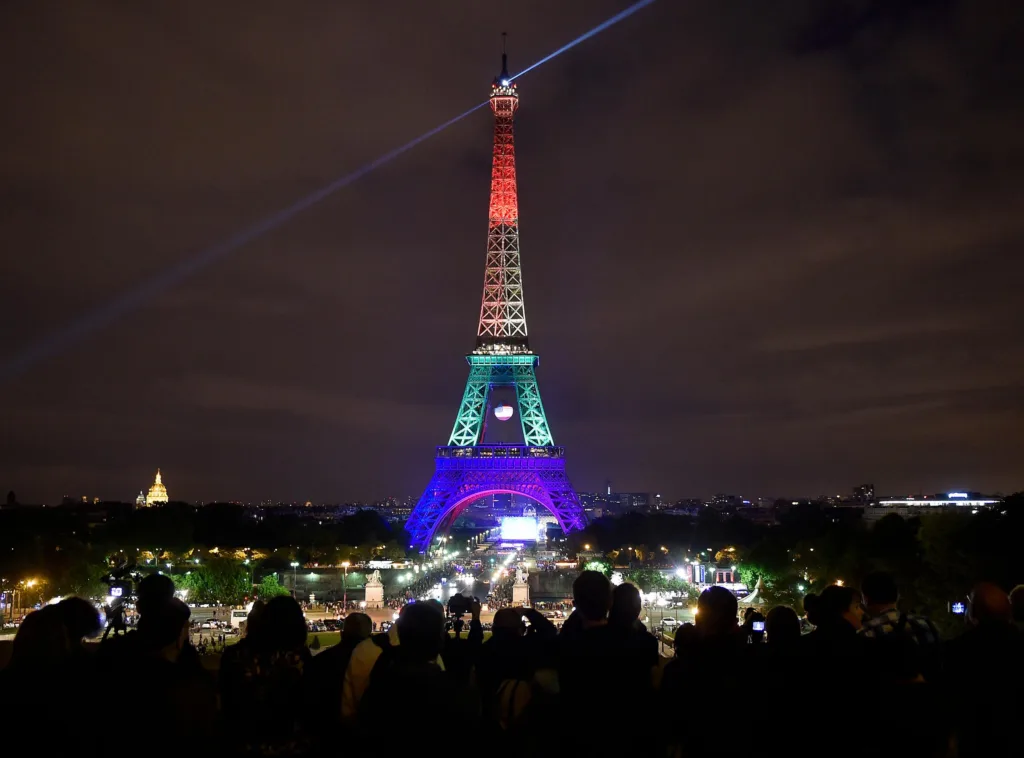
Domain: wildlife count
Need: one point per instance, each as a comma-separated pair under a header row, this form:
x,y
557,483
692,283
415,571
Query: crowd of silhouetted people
x,y
870,679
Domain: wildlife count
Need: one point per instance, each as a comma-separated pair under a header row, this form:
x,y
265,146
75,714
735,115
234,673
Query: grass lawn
x,y
487,635
326,639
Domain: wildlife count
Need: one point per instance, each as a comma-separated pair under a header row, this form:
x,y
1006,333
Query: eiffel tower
x,y
467,468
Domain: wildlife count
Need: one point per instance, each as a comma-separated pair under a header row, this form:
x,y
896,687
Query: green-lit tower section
x,y
468,468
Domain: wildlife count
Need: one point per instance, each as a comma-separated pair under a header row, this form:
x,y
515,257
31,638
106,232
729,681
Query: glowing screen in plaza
x,y
519,528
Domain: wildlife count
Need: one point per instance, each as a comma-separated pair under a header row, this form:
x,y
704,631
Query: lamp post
x,y
295,566
25,584
248,563
344,585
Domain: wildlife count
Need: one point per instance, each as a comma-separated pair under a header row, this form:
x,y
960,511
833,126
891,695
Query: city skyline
x,y
408,499
775,248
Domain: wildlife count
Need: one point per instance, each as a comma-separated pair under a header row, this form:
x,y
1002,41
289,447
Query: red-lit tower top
x,y
502,327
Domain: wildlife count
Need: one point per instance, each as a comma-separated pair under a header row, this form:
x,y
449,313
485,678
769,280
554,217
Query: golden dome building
x,y
157,494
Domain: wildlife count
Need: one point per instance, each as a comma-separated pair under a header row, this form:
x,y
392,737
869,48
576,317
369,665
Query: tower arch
x,y
450,512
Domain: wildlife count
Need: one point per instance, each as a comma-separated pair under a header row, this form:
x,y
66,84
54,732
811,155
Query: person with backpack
x,y
364,658
408,685
513,673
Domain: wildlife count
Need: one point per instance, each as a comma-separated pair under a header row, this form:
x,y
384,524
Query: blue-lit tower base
x,y
465,474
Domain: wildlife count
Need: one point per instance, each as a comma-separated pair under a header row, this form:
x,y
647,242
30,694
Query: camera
x,y
121,589
757,626
459,605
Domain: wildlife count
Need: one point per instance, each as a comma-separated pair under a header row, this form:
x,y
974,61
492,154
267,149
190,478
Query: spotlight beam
x,y
142,293
587,35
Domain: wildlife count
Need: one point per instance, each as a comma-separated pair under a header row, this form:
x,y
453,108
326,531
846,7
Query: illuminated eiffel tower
x,y
467,468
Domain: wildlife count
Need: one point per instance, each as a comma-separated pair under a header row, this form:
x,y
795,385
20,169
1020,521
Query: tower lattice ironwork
x,y
467,468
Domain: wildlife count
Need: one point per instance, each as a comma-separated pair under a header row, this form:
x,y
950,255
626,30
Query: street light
x,y
295,565
344,584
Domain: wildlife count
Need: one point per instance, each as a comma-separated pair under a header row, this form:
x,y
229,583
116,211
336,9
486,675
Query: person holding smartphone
x,y
753,626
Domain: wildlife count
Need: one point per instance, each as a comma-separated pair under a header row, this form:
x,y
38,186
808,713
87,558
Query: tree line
x,y
936,558
214,551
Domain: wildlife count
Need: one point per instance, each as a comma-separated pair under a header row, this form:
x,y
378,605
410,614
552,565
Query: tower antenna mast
x,y
504,58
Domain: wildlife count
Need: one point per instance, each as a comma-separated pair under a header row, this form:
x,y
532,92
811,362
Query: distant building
x,y
628,502
595,505
157,494
708,573
723,502
948,499
399,509
864,494
909,507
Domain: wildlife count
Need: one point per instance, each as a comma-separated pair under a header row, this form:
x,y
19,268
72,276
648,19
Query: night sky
x,y
768,248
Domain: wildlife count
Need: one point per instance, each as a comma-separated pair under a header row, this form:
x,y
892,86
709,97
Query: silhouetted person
x,y
326,673
253,616
459,653
685,641
837,671
587,650
180,705
909,644
838,615
153,591
639,648
262,682
782,628
41,642
626,606
364,658
45,679
81,620
779,656
412,667
985,667
718,661
501,657
513,676
747,631
811,608
502,663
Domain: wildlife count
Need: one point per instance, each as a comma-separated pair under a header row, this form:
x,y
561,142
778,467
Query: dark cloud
x,y
768,248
